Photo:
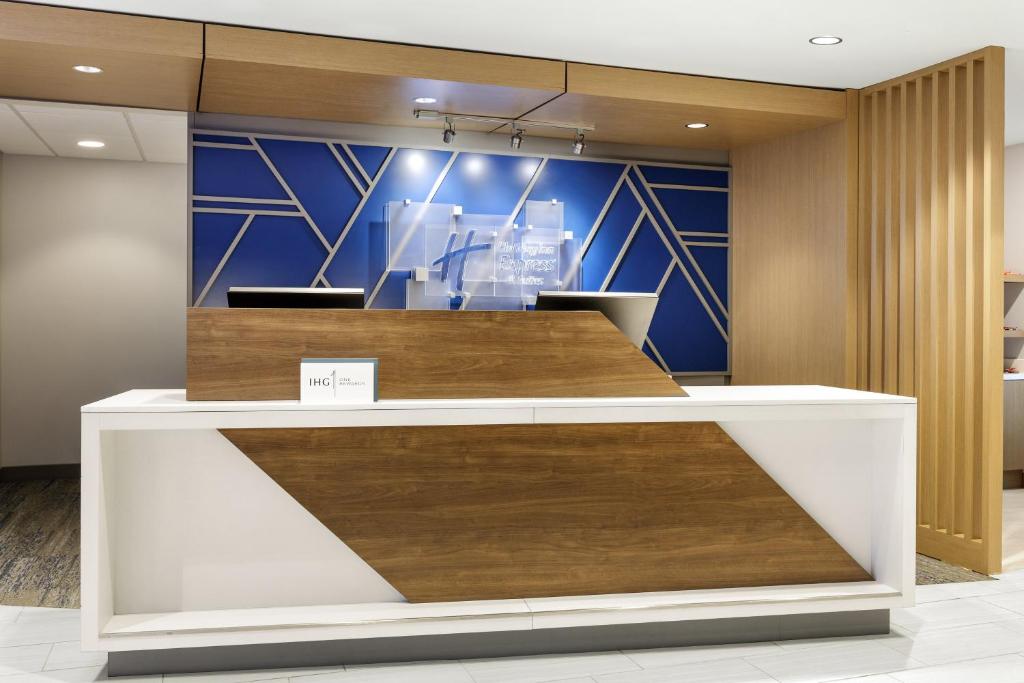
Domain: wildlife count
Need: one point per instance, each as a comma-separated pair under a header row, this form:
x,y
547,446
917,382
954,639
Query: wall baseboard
x,y
34,472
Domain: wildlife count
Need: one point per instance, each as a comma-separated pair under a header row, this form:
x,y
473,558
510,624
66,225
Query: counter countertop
x,y
173,401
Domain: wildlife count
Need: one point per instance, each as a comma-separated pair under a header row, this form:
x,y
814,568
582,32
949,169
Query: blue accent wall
x,y
279,211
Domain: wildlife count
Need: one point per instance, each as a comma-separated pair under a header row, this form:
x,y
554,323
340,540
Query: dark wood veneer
x,y
517,511
253,354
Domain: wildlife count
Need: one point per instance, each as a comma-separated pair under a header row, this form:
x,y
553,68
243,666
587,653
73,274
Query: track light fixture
x,y
578,144
519,126
449,131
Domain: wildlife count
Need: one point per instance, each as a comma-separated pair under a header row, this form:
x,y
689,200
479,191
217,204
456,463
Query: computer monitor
x,y
631,312
295,297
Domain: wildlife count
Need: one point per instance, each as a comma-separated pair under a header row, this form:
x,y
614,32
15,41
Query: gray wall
x,y
92,293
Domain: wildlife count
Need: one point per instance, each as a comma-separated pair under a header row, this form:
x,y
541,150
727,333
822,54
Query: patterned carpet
x,y
39,546
931,571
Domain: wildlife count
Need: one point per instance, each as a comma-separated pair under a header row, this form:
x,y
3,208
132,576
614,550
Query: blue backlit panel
x,y
644,264
608,238
330,233
318,181
276,251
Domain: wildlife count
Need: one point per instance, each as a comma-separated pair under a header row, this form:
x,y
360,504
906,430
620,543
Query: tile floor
x,y
958,632
1013,530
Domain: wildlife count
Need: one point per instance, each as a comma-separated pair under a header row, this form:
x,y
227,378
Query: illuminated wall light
x,y
87,69
425,100
697,124
825,40
415,161
92,144
528,168
475,165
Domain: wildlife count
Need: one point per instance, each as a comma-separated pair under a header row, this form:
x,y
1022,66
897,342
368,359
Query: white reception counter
x,y
186,543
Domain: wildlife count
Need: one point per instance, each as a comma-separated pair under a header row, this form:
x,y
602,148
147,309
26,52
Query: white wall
x,y
1013,247
92,293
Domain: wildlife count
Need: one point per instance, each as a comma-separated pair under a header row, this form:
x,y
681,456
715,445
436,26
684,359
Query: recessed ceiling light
x,y
86,69
826,40
91,144
425,100
697,124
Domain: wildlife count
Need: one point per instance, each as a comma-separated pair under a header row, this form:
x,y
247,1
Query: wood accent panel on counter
x,y
651,107
146,62
275,73
930,287
794,232
490,512
254,354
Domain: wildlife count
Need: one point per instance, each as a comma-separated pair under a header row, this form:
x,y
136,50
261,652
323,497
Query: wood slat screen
x,y
930,258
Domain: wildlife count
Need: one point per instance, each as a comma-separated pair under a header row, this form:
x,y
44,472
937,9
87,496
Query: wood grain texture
x,y
791,223
1013,425
275,73
253,354
516,511
651,107
930,287
146,62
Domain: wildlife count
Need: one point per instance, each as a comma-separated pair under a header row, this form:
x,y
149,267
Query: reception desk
x,y
232,533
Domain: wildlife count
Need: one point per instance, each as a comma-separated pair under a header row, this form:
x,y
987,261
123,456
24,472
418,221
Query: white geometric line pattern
x,y
227,254
408,235
526,191
355,162
675,233
622,252
352,219
348,171
288,191
678,261
241,200
632,176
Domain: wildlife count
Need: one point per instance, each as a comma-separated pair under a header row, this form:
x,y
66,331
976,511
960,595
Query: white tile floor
x,y
1013,530
958,633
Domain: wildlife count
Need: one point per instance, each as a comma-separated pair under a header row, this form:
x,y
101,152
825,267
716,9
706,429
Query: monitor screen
x,y
294,297
631,312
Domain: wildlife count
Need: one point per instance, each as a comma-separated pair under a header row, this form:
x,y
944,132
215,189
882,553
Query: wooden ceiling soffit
x,y
146,62
273,73
652,108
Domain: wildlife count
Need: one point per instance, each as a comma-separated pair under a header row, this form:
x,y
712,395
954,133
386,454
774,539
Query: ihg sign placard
x,y
338,380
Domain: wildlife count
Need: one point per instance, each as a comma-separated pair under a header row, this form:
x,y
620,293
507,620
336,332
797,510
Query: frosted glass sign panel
x,y
545,214
406,225
479,260
461,259
531,258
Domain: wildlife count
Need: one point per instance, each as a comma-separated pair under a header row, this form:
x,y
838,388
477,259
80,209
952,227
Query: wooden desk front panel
x,y
517,511
254,354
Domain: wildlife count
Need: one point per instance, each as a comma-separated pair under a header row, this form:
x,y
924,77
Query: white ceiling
x,y
763,40
54,129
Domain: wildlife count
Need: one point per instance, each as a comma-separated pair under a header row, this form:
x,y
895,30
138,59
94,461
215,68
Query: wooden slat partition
x,y
930,289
